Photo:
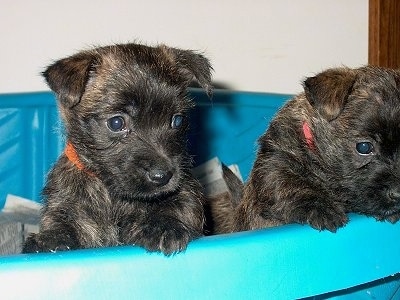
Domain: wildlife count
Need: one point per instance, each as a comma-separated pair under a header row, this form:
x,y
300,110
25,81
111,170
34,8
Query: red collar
x,y
308,136
71,154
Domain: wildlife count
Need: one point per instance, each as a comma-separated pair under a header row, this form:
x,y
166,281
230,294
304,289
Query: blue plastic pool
x,y
360,261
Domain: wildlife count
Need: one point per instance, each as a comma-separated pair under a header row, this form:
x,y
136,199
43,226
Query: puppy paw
x,y
31,245
44,242
328,219
392,218
168,237
321,216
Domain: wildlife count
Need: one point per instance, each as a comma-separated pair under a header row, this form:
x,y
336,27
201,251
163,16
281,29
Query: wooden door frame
x,y
384,33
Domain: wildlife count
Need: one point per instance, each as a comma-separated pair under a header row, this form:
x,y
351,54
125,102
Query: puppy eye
x,y
116,123
177,121
364,148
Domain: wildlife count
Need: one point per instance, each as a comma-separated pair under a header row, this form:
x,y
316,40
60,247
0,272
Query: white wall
x,y
265,45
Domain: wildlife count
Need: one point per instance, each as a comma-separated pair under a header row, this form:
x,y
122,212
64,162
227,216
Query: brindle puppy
x,y
331,150
125,175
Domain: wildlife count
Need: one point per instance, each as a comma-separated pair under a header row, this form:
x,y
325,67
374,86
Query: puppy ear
x,y
68,77
328,91
194,66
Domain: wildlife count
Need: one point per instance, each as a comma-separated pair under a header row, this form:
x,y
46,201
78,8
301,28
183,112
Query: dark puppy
x,y
331,150
124,177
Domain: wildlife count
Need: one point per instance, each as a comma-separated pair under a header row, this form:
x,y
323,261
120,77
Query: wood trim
x,y
384,33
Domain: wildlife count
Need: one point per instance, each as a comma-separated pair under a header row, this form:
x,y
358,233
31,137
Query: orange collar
x,y
71,154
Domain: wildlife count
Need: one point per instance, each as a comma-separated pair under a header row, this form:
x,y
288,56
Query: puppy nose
x,y
159,177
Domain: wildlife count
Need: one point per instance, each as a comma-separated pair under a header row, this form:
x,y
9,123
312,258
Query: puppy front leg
x,y
63,229
282,197
167,227
56,239
161,233
308,205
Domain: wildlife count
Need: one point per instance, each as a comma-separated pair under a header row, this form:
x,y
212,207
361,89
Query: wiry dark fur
x,y
219,208
121,196
318,184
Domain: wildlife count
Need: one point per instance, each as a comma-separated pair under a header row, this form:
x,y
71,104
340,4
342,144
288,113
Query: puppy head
x,y
357,133
125,109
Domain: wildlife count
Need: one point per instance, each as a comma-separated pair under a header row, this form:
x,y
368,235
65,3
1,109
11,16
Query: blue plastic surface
x,y
30,141
360,261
